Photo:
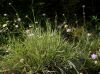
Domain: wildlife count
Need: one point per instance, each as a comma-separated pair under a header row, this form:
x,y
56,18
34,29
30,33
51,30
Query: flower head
x,y
65,26
96,62
68,30
43,14
83,6
16,26
89,34
19,19
4,25
80,73
7,51
63,14
94,56
9,3
5,14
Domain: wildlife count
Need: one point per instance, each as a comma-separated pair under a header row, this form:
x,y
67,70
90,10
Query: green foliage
x,y
45,51
95,22
36,51
43,48
10,28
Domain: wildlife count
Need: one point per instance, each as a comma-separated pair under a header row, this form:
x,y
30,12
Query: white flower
x,y
7,51
68,30
44,14
19,19
30,26
9,3
94,56
65,26
83,6
16,26
4,25
89,34
5,14
96,62
21,60
63,14
81,73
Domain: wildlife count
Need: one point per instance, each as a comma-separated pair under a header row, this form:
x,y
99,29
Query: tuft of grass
x,y
37,51
47,52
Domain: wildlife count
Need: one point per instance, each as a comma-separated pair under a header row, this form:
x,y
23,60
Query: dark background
x,y
52,7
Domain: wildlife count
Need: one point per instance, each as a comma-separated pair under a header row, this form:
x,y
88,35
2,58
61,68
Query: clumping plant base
x,y
44,52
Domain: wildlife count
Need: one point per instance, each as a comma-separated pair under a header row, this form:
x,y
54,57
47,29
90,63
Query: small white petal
x,y
16,26
7,51
65,26
4,25
95,62
63,14
19,19
9,3
81,73
44,14
5,14
83,6
89,34
68,30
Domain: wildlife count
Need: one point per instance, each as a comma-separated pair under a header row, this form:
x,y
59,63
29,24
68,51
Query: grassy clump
x,y
46,52
37,52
